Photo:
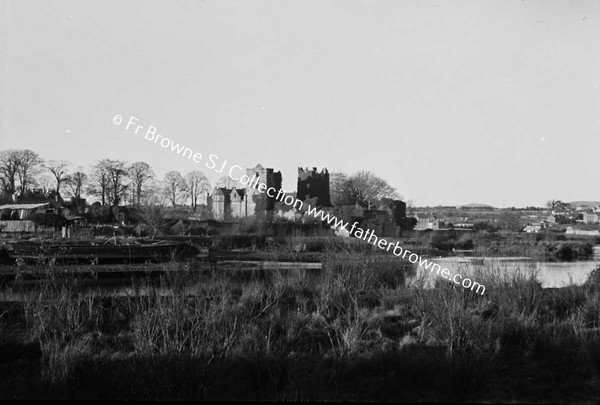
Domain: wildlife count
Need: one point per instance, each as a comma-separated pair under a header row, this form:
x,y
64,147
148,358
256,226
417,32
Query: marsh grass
x,y
359,331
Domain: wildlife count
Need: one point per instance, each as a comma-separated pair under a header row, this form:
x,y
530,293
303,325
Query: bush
x,y
570,251
466,244
99,214
564,252
49,219
593,279
442,241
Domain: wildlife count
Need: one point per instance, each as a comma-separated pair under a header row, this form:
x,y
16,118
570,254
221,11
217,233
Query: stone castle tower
x,y
259,203
314,184
228,204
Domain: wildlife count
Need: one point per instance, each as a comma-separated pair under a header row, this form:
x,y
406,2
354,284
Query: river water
x,y
550,274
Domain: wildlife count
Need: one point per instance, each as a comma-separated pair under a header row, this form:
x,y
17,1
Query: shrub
x,y
593,279
564,252
49,219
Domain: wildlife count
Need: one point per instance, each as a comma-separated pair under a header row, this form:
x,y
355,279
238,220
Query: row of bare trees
x,y
113,182
21,170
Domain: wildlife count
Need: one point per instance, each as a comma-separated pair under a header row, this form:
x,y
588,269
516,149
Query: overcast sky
x,y
451,101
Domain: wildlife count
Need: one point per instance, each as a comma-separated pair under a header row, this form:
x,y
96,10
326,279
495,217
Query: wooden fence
x,y
17,226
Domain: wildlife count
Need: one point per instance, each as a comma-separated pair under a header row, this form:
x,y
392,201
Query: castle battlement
x,y
312,183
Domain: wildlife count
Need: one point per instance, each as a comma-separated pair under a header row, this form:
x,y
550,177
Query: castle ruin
x,y
227,204
312,183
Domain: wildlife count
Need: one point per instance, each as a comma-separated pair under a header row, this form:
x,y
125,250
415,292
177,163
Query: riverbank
x,y
546,246
357,334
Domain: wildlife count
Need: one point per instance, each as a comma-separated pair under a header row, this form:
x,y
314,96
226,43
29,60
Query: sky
x,y
452,102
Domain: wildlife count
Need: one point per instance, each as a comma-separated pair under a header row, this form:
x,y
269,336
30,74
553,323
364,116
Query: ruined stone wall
x,y
259,203
220,205
238,203
237,209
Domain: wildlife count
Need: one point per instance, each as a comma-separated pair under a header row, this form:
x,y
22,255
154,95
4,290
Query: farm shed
x,y
22,211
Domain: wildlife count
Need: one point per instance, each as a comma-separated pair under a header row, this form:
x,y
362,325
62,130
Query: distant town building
x,y
533,228
589,218
429,223
575,231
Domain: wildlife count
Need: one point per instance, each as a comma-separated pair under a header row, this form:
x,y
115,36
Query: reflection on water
x,y
550,274
558,274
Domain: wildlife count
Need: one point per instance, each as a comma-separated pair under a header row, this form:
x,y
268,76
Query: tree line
x,y
117,182
113,182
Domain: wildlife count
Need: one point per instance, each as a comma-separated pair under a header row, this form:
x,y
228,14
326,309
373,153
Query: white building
x,y
590,218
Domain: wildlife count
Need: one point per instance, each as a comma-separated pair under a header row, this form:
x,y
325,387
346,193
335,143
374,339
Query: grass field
x,y
355,333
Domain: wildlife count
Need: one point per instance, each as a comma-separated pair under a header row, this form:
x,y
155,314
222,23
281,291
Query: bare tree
x,y
99,184
196,184
557,205
29,167
153,194
9,166
174,187
362,188
18,168
117,172
108,180
75,183
371,187
45,183
140,174
58,168
228,182
337,182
